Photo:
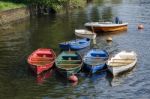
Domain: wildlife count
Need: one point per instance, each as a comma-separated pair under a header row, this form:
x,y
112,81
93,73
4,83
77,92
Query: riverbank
x,y
12,12
13,15
9,5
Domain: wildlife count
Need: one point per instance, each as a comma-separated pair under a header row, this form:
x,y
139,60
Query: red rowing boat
x,y
41,60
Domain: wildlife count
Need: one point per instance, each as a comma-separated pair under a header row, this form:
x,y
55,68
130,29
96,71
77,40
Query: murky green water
x,y
18,82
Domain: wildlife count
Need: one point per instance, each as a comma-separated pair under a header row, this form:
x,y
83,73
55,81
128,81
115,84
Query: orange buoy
x,y
73,78
140,26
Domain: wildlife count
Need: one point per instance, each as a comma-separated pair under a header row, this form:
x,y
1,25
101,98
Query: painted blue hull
x,y
64,46
75,44
94,69
95,60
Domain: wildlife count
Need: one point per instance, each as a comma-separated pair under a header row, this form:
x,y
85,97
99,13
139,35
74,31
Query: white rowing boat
x,y
121,62
85,33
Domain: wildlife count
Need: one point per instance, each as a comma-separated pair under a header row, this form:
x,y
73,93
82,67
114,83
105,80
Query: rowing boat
x,y
106,26
41,60
85,33
76,44
95,60
121,62
68,63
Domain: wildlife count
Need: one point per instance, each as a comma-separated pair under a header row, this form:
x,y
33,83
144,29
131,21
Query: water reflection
x,y
119,79
99,13
97,76
60,78
14,45
41,78
103,2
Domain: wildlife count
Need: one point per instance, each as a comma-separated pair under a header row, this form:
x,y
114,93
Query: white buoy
x,y
109,39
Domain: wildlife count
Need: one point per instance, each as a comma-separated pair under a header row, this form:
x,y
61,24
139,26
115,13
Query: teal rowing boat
x,y
68,63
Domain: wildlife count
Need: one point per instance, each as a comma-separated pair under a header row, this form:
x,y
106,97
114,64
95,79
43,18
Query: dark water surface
x,y
18,82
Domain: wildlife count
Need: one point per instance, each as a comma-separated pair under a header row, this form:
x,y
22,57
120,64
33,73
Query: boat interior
x,y
40,59
98,54
67,62
120,62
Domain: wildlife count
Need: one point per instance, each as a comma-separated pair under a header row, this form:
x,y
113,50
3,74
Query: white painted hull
x,y
85,34
115,70
106,26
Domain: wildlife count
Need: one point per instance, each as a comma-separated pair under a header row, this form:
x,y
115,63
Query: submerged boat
x,y
41,60
85,33
106,26
68,63
75,44
95,60
121,62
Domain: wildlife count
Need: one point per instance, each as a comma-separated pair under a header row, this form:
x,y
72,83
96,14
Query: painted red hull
x,y
41,60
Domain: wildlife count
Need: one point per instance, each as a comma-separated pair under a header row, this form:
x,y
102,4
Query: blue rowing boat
x,y
95,60
75,44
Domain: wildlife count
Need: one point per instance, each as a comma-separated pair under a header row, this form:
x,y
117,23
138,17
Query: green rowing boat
x,y
68,63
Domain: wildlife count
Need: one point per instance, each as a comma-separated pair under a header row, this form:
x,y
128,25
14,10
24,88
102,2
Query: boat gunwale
x,y
123,65
104,59
96,24
34,52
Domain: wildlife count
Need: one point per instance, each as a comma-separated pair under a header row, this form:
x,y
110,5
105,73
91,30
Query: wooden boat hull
x,y
68,63
85,34
41,60
95,60
75,44
107,27
117,65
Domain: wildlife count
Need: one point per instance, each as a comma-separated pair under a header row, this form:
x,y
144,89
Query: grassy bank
x,y
43,5
9,5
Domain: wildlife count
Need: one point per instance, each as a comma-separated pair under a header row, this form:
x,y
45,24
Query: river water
x,y
17,41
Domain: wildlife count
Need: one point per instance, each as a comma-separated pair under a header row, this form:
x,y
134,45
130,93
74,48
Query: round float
x,y
140,26
73,78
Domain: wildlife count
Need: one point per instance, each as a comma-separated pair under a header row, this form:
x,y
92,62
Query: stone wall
x,y
13,15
